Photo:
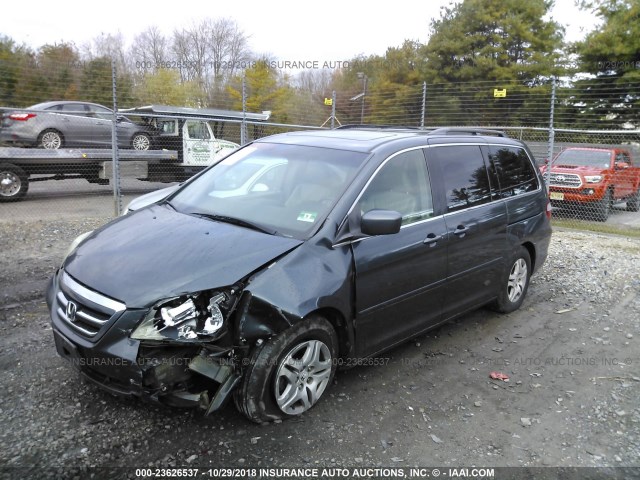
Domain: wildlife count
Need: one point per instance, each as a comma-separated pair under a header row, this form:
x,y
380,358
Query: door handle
x,y
461,231
432,239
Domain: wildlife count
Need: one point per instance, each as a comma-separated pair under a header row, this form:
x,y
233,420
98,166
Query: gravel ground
x,y
571,353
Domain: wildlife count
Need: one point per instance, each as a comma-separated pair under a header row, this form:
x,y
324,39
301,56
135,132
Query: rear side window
x,y
74,109
464,173
514,170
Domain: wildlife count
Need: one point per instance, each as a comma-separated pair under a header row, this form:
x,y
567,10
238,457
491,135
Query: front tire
x,y
289,373
514,283
50,140
14,182
602,208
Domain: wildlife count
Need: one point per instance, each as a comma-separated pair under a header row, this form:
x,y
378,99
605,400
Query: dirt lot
x,y
572,355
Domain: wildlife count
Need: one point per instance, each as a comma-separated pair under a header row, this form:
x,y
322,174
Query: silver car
x,y
53,125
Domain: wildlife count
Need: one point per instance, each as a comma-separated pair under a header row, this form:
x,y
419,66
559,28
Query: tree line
x,y
476,49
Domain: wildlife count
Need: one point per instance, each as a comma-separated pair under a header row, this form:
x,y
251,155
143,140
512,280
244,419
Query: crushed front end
x,y
179,352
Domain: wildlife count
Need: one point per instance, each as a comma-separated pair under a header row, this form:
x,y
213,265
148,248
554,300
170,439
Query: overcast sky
x,y
327,30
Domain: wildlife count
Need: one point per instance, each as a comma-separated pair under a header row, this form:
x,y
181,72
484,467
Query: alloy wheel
x,y
302,377
517,280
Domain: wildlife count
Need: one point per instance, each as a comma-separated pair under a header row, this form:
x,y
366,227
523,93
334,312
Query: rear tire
x,y
141,141
633,202
288,374
514,283
50,140
14,182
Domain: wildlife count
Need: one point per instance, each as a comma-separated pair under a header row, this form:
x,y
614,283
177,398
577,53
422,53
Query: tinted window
x,y
514,170
464,174
401,185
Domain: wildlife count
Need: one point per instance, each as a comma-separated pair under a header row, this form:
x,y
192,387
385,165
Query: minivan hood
x,y
157,253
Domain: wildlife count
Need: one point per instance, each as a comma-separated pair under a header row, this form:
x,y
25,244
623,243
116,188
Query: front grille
x,y
83,310
570,180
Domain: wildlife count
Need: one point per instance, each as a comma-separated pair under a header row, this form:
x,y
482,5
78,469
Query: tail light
x,y
21,117
548,212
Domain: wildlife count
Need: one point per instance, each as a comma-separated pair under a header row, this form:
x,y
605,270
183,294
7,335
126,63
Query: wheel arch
x,y
343,328
51,129
258,319
141,132
530,247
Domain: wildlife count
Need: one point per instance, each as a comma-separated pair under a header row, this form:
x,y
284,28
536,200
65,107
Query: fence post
x,y
115,159
552,133
243,126
424,104
333,110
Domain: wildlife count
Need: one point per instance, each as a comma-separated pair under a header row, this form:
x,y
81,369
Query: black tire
x,y
14,182
255,397
514,283
141,141
50,140
633,202
602,207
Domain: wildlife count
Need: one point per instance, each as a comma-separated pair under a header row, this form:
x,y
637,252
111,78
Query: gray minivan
x,y
366,238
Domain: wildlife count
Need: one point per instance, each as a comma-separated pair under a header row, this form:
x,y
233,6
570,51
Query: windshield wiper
x,y
235,221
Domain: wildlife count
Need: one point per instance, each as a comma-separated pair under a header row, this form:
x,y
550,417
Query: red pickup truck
x,y
594,178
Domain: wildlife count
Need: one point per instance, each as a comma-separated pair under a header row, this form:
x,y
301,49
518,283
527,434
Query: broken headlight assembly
x,y
200,316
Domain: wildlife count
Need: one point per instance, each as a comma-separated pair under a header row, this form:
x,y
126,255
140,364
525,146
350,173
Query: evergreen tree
x,y
611,56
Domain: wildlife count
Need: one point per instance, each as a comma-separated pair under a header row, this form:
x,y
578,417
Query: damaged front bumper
x,y
93,333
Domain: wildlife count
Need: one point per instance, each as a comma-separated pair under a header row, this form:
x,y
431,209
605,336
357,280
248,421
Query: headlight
x,y
188,317
593,178
75,243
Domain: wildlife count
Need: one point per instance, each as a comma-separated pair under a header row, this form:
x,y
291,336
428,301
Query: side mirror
x,y
380,222
621,165
120,118
259,187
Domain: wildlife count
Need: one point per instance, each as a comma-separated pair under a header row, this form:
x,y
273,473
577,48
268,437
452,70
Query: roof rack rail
x,y
355,126
468,131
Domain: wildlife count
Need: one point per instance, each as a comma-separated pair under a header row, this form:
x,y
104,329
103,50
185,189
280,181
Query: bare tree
x,y
149,50
210,53
228,48
191,52
315,82
110,46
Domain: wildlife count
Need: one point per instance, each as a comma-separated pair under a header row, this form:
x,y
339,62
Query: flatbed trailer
x,y
19,165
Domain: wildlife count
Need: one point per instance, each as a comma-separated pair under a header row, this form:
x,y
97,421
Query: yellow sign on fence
x,y
497,93
328,101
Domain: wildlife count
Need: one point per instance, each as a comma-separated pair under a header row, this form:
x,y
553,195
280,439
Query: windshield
x,y
286,189
584,158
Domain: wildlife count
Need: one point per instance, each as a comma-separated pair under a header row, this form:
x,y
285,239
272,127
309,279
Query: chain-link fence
x,y
58,132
